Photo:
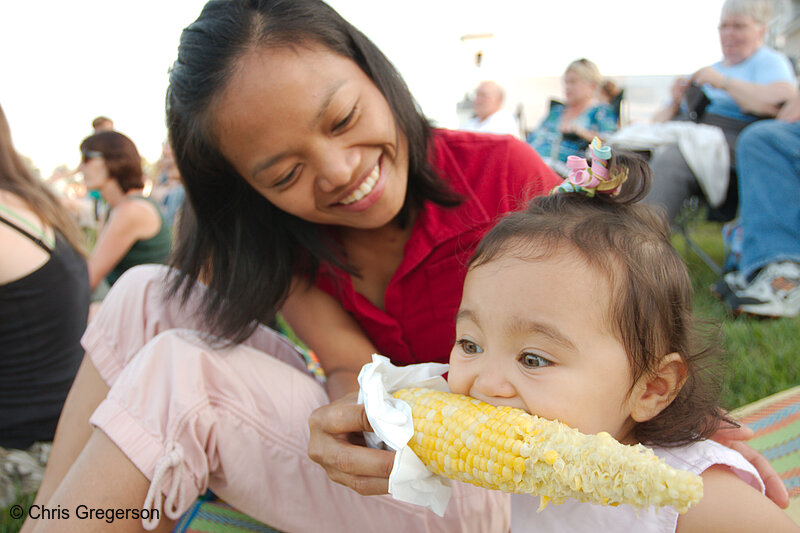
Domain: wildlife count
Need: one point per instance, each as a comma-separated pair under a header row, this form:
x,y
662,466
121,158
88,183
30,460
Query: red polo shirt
x,y
495,175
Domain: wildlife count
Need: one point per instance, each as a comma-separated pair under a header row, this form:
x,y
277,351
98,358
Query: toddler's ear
x,y
654,392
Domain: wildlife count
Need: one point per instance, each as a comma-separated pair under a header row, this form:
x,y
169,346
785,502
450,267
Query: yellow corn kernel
x,y
507,449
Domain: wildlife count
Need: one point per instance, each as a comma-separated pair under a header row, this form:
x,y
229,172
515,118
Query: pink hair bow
x,y
579,174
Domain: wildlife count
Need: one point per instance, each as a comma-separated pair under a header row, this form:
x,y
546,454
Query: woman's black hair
x,y
230,236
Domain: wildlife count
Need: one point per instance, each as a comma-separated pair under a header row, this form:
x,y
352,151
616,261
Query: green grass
x,y
761,354
11,525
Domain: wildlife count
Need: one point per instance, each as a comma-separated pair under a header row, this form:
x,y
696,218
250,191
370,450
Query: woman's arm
x,y
731,505
790,112
335,337
755,98
336,441
602,121
129,222
668,112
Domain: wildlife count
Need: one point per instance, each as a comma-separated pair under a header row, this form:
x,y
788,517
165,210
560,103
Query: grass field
x,y
763,356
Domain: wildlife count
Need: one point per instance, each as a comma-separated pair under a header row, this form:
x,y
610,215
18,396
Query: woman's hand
x,y
709,75
336,443
571,127
676,92
790,111
734,438
678,89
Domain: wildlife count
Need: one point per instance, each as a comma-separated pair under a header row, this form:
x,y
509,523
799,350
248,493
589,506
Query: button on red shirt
x,y
495,175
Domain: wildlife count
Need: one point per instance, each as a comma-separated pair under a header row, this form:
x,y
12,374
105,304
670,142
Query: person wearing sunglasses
x,y
135,232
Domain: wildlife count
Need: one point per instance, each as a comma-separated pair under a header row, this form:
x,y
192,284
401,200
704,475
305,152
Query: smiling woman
x,y
315,188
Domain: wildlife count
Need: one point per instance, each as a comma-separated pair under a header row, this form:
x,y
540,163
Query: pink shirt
x,y
573,516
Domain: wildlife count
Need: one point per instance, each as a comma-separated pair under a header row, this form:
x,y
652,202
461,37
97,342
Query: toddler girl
x,y
579,309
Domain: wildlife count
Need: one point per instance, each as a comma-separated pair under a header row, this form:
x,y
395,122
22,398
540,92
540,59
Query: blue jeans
x,y
768,168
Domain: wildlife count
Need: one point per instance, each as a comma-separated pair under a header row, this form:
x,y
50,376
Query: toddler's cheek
x,y
456,381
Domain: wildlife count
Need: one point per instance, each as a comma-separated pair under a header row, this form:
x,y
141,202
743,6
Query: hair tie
x,y
588,181
601,155
579,174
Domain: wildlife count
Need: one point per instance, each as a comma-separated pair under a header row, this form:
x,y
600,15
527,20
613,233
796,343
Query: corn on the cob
x,y
507,449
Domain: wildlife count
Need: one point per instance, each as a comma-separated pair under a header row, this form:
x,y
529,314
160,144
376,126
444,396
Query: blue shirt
x,y
765,66
548,141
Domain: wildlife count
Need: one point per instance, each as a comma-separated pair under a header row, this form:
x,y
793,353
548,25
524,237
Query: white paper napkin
x,y
390,418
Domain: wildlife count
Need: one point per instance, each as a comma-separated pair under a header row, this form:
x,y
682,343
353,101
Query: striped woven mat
x,y
776,422
209,515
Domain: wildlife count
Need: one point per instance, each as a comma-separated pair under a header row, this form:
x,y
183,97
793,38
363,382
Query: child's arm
x,y
731,505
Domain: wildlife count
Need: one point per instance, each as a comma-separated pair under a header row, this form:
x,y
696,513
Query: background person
x,y
568,128
767,282
751,81
169,191
135,232
102,123
44,304
490,117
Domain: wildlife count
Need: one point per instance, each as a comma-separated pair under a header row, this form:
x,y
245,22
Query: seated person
x,y
612,94
136,232
767,282
750,82
490,117
169,192
569,128
44,304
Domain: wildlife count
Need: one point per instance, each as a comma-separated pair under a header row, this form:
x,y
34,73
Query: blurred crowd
x,y
725,140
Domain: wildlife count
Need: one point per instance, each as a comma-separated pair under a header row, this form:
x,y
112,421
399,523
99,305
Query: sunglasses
x,y
90,154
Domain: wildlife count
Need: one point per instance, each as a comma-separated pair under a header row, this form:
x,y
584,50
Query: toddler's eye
x,y
469,347
532,360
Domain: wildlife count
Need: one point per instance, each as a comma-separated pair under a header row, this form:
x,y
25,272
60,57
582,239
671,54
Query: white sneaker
x,y
727,285
774,292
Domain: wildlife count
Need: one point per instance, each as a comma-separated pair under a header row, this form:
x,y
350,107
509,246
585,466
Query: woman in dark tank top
x,y
44,302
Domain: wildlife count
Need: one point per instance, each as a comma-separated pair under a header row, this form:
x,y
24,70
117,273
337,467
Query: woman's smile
x,y
309,131
366,192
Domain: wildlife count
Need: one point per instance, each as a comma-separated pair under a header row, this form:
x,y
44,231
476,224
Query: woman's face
x,y
312,133
740,36
94,170
577,89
